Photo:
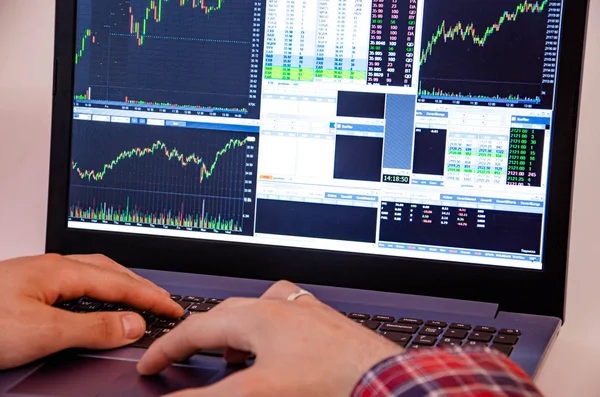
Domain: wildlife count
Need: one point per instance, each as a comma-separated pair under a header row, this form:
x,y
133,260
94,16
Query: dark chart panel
x,y
392,42
366,105
430,151
455,227
490,53
525,157
201,180
181,56
334,222
358,158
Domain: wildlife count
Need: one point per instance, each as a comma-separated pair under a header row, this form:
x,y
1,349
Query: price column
x,y
525,157
290,40
392,42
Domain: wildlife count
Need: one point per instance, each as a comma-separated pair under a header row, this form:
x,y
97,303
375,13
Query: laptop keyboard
x,y
410,333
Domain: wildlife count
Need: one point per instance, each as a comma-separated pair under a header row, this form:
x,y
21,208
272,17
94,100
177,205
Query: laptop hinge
x,y
249,287
397,300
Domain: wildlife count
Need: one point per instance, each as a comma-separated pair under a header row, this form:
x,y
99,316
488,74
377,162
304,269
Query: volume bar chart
x,y
198,57
131,214
458,95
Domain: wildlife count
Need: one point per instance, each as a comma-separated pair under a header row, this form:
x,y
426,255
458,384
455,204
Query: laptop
x,y
409,162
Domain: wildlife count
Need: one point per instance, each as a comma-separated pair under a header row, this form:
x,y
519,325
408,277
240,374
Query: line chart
x,y
149,176
198,56
206,171
498,53
464,31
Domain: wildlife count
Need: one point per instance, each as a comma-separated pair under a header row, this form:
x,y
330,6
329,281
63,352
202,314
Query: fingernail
x,y
133,326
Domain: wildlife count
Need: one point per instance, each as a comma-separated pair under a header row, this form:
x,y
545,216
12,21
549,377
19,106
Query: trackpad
x,y
96,377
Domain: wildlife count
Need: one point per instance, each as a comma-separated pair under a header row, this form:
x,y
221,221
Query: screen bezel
x,y
524,291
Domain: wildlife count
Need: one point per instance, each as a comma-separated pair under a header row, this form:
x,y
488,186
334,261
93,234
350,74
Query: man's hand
x,y
303,347
32,328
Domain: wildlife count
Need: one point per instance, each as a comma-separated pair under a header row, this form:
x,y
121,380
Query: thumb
x,y
104,330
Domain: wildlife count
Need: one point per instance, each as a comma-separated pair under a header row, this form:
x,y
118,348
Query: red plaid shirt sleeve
x,y
449,372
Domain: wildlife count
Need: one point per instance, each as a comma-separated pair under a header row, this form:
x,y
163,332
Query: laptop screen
x,y
402,128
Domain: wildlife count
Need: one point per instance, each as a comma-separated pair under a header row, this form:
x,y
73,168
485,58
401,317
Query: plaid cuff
x,y
451,372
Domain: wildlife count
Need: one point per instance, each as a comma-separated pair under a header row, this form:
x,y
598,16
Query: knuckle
x,y
229,302
285,284
50,259
103,327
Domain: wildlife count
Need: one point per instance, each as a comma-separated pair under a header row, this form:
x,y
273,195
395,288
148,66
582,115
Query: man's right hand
x,y
303,348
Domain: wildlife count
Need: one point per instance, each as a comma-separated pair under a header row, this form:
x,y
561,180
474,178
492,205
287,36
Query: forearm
x,y
446,372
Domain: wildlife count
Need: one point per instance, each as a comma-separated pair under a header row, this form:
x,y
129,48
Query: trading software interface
x,y
403,128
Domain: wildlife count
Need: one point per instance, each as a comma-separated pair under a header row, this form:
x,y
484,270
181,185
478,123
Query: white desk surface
x,y
26,48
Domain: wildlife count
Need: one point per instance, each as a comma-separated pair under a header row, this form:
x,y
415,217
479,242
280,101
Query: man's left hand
x,y
32,328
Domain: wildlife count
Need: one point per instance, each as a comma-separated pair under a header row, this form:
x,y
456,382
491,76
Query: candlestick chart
x,y
501,51
199,56
152,177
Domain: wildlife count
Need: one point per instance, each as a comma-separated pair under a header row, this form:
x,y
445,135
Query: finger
x,y
212,330
281,290
104,330
107,263
76,279
249,382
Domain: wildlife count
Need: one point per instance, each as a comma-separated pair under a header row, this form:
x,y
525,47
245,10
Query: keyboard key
x,y
506,349
406,328
506,339
398,337
484,328
143,343
359,316
369,324
434,331
194,299
176,297
150,332
184,304
425,340
88,306
164,323
448,342
434,323
466,327
111,307
66,305
506,331
455,333
200,307
162,332
405,320
416,347
481,336
385,319
474,343
148,316
213,301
